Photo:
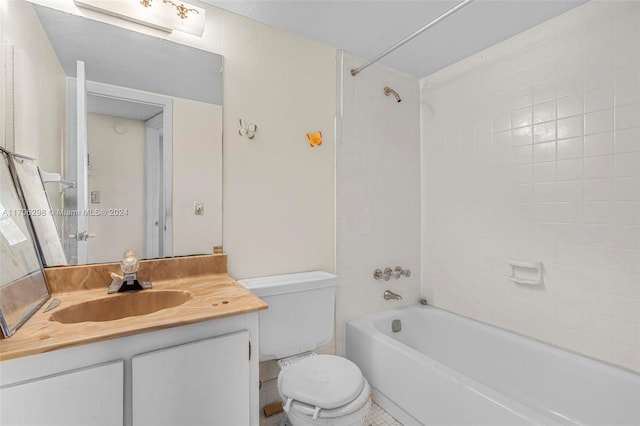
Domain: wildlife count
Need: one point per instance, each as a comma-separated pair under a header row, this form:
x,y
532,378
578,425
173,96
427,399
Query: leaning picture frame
x,y
23,286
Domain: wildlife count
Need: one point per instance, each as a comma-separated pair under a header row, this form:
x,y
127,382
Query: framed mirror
x,y
23,288
41,214
148,174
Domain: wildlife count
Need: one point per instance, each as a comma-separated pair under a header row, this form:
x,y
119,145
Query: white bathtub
x,y
444,369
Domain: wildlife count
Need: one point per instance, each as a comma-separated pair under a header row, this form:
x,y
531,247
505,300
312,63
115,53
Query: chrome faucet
x,y
129,279
396,273
389,295
378,274
399,272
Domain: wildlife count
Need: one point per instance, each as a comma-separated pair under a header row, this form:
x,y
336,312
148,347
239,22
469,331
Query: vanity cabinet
x,y
196,374
88,396
200,383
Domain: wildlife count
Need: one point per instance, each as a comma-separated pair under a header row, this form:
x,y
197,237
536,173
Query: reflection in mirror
x,y
37,203
126,178
129,138
23,288
170,176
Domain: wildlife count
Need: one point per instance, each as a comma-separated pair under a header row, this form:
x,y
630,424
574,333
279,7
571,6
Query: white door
x,y
201,383
154,192
82,164
89,396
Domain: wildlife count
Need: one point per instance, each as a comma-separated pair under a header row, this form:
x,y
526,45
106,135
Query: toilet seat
x,y
362,400
326,384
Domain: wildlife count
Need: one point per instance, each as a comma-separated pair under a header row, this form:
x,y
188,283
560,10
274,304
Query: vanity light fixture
x,y
183,10
165,15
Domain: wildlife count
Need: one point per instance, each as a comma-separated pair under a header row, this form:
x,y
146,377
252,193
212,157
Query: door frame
x,y
132,95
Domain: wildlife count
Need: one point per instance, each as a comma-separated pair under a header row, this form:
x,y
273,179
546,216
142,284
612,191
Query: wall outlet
x,y
95,197
198,208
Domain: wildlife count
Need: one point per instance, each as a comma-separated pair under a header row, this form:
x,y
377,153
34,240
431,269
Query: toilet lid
x,y
323,381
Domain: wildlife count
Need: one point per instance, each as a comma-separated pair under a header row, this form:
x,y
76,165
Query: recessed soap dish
x,y
529,273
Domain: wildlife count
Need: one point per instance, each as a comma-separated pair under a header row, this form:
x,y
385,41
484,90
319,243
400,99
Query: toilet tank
x,y
301,312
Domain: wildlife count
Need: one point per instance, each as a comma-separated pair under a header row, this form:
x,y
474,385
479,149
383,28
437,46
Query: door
x,y
201,383
154,191
82,165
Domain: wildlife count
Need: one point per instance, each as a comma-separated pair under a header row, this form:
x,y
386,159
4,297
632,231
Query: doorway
x,y
128,178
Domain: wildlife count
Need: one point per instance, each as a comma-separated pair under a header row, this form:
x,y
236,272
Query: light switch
x,y
95,197
198,208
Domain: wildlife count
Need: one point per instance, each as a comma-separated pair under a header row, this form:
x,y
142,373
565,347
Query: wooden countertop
x,y
213,296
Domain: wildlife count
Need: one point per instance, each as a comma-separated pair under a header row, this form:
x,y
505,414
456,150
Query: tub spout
x,y
389,295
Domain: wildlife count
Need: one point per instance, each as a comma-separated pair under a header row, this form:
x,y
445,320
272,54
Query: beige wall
x,y
38,85
197,139
279,213
117,171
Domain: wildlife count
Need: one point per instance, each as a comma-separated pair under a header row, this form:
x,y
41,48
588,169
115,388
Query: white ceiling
x,y
366,28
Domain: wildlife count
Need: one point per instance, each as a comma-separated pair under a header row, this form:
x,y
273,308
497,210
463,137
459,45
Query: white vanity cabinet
x,y
200,383
89,396
204,373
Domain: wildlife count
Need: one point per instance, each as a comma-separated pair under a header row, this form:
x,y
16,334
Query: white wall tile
x,y
521,117
378,213
627,140
598,167
626,188
626,164
598,144
546,132
544,112
570,148
597,99
570,105
627,116
544,152
569,195
569,190
599,121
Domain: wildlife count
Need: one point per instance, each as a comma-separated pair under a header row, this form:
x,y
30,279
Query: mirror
x,y
152,179
23,288
41,213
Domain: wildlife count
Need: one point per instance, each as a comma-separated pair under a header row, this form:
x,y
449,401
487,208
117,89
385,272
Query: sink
x,y
121,305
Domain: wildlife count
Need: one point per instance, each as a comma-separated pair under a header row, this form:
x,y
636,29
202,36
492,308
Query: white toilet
x,y
315,389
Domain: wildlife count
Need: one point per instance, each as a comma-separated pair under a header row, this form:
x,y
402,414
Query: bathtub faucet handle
x,y
387,274
398,272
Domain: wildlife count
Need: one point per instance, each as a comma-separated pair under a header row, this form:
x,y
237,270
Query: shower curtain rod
x,y
451,11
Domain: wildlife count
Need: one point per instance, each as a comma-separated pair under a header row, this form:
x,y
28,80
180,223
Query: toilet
x,y
315,389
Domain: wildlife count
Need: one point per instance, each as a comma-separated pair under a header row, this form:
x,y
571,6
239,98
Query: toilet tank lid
x,y
289,283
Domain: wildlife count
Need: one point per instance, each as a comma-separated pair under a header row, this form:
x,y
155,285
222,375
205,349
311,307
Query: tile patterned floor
x,y
377,417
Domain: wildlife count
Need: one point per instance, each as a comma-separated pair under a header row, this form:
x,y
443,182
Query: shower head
x,y
389,91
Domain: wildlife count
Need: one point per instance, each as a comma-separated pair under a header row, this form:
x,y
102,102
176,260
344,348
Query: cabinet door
x,y
88,396
200,383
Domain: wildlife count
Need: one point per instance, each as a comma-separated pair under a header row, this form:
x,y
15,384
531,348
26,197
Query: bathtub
x,y
444,369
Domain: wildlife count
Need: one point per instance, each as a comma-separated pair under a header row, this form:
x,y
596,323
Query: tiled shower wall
x,y
377,189
530,151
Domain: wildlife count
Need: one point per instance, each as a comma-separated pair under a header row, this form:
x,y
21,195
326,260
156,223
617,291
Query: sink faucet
x,y
389,295
129,279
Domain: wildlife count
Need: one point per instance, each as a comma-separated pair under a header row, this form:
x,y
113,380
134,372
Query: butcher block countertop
x,y
201,284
